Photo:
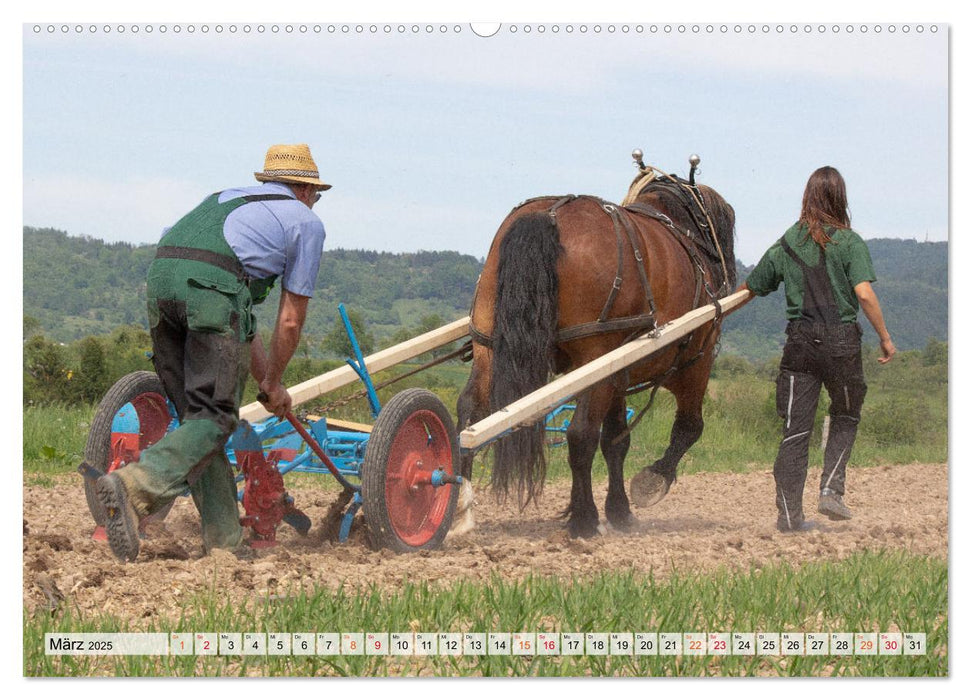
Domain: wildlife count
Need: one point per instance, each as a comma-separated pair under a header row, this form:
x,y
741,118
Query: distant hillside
x,y
78,286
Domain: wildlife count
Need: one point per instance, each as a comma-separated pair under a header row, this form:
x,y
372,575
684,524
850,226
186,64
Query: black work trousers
x,y
816,355
203,374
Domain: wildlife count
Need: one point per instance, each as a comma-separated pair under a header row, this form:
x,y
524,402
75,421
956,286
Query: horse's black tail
x,y
524,338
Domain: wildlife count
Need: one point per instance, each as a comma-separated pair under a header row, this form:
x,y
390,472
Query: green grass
x,y
904,420
54,437
867,592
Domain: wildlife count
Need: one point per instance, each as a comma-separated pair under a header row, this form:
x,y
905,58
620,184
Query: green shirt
x,y
847,263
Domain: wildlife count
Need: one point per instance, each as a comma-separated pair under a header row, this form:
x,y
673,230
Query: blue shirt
x,y
276,237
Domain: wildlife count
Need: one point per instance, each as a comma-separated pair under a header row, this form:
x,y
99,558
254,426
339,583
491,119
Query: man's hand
x,y
275,399
268,368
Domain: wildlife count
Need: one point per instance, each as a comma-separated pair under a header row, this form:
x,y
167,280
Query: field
x,y
707,559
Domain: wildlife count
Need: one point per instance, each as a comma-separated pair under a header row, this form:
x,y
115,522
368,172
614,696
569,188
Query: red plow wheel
x,y
133,415
412,439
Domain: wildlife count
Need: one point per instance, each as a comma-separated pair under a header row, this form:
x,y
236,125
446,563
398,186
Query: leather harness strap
x,y
620,219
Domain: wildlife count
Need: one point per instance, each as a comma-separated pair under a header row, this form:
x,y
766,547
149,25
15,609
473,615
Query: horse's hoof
x,y
462,525
648,488
463,521
585,529
623,523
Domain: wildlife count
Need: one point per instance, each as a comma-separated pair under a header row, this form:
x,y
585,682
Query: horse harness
x,y
698,246
623,228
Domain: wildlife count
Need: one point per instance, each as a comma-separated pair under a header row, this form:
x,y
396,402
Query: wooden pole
x,y
342,376
540,402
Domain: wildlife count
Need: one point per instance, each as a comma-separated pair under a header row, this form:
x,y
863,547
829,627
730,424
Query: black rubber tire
x,y
374,471
98,447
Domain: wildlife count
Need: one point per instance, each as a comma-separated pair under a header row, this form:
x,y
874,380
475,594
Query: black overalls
x,y
820,350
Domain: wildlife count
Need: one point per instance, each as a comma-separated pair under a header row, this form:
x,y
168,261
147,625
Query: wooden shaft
x,y
537,404
342,376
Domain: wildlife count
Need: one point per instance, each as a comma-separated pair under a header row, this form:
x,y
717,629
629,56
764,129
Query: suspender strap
x,y
818,298
264,197
792,254
229,263
223,262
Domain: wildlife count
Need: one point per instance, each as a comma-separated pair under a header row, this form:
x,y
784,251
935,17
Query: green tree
x,y
337,343
45,371
31,327
91,380
934,353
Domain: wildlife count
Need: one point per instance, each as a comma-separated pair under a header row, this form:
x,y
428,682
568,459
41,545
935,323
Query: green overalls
x,y
200,312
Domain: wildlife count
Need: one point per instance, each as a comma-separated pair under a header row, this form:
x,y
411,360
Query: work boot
x,y
793,524
121,520
831,505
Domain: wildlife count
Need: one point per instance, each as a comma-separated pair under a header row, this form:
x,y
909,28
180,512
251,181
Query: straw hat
x,y
291,163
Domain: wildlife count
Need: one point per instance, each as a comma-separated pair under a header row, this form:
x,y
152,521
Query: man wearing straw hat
x,y
210,268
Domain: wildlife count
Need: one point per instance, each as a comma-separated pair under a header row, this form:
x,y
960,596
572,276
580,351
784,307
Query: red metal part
x,y
415,507
264,498
125,449
153,422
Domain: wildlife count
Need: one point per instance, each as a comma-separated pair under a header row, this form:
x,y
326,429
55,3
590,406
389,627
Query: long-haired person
x,y
826,269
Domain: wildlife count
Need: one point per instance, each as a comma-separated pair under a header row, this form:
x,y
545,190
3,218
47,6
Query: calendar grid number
x,y
571,644
669,643
695,644
328,644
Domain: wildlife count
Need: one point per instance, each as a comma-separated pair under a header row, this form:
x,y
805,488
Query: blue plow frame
x,y
345,448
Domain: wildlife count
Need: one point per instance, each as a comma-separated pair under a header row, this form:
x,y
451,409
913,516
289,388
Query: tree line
x,y
85,321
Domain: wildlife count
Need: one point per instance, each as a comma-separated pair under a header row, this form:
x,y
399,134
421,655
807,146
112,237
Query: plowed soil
x,y
707,521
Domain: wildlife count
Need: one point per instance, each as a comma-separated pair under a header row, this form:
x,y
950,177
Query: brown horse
x,y
568,279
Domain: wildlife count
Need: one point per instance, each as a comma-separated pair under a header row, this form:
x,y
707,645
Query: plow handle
x,y
314,445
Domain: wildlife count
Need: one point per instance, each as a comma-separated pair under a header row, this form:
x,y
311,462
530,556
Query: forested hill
x,y
77,286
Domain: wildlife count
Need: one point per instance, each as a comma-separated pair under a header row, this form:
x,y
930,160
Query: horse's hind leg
x,y
652,483
473,402
615,451
582,437
473,406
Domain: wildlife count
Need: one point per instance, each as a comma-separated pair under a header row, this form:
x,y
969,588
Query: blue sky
x,y
430,138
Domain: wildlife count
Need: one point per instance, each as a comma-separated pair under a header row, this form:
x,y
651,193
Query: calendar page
x,y
498,209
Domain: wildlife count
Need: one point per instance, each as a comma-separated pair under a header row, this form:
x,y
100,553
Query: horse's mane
x,y
672,200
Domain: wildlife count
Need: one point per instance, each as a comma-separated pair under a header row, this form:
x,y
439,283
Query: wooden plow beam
x,y
342,376
537,404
